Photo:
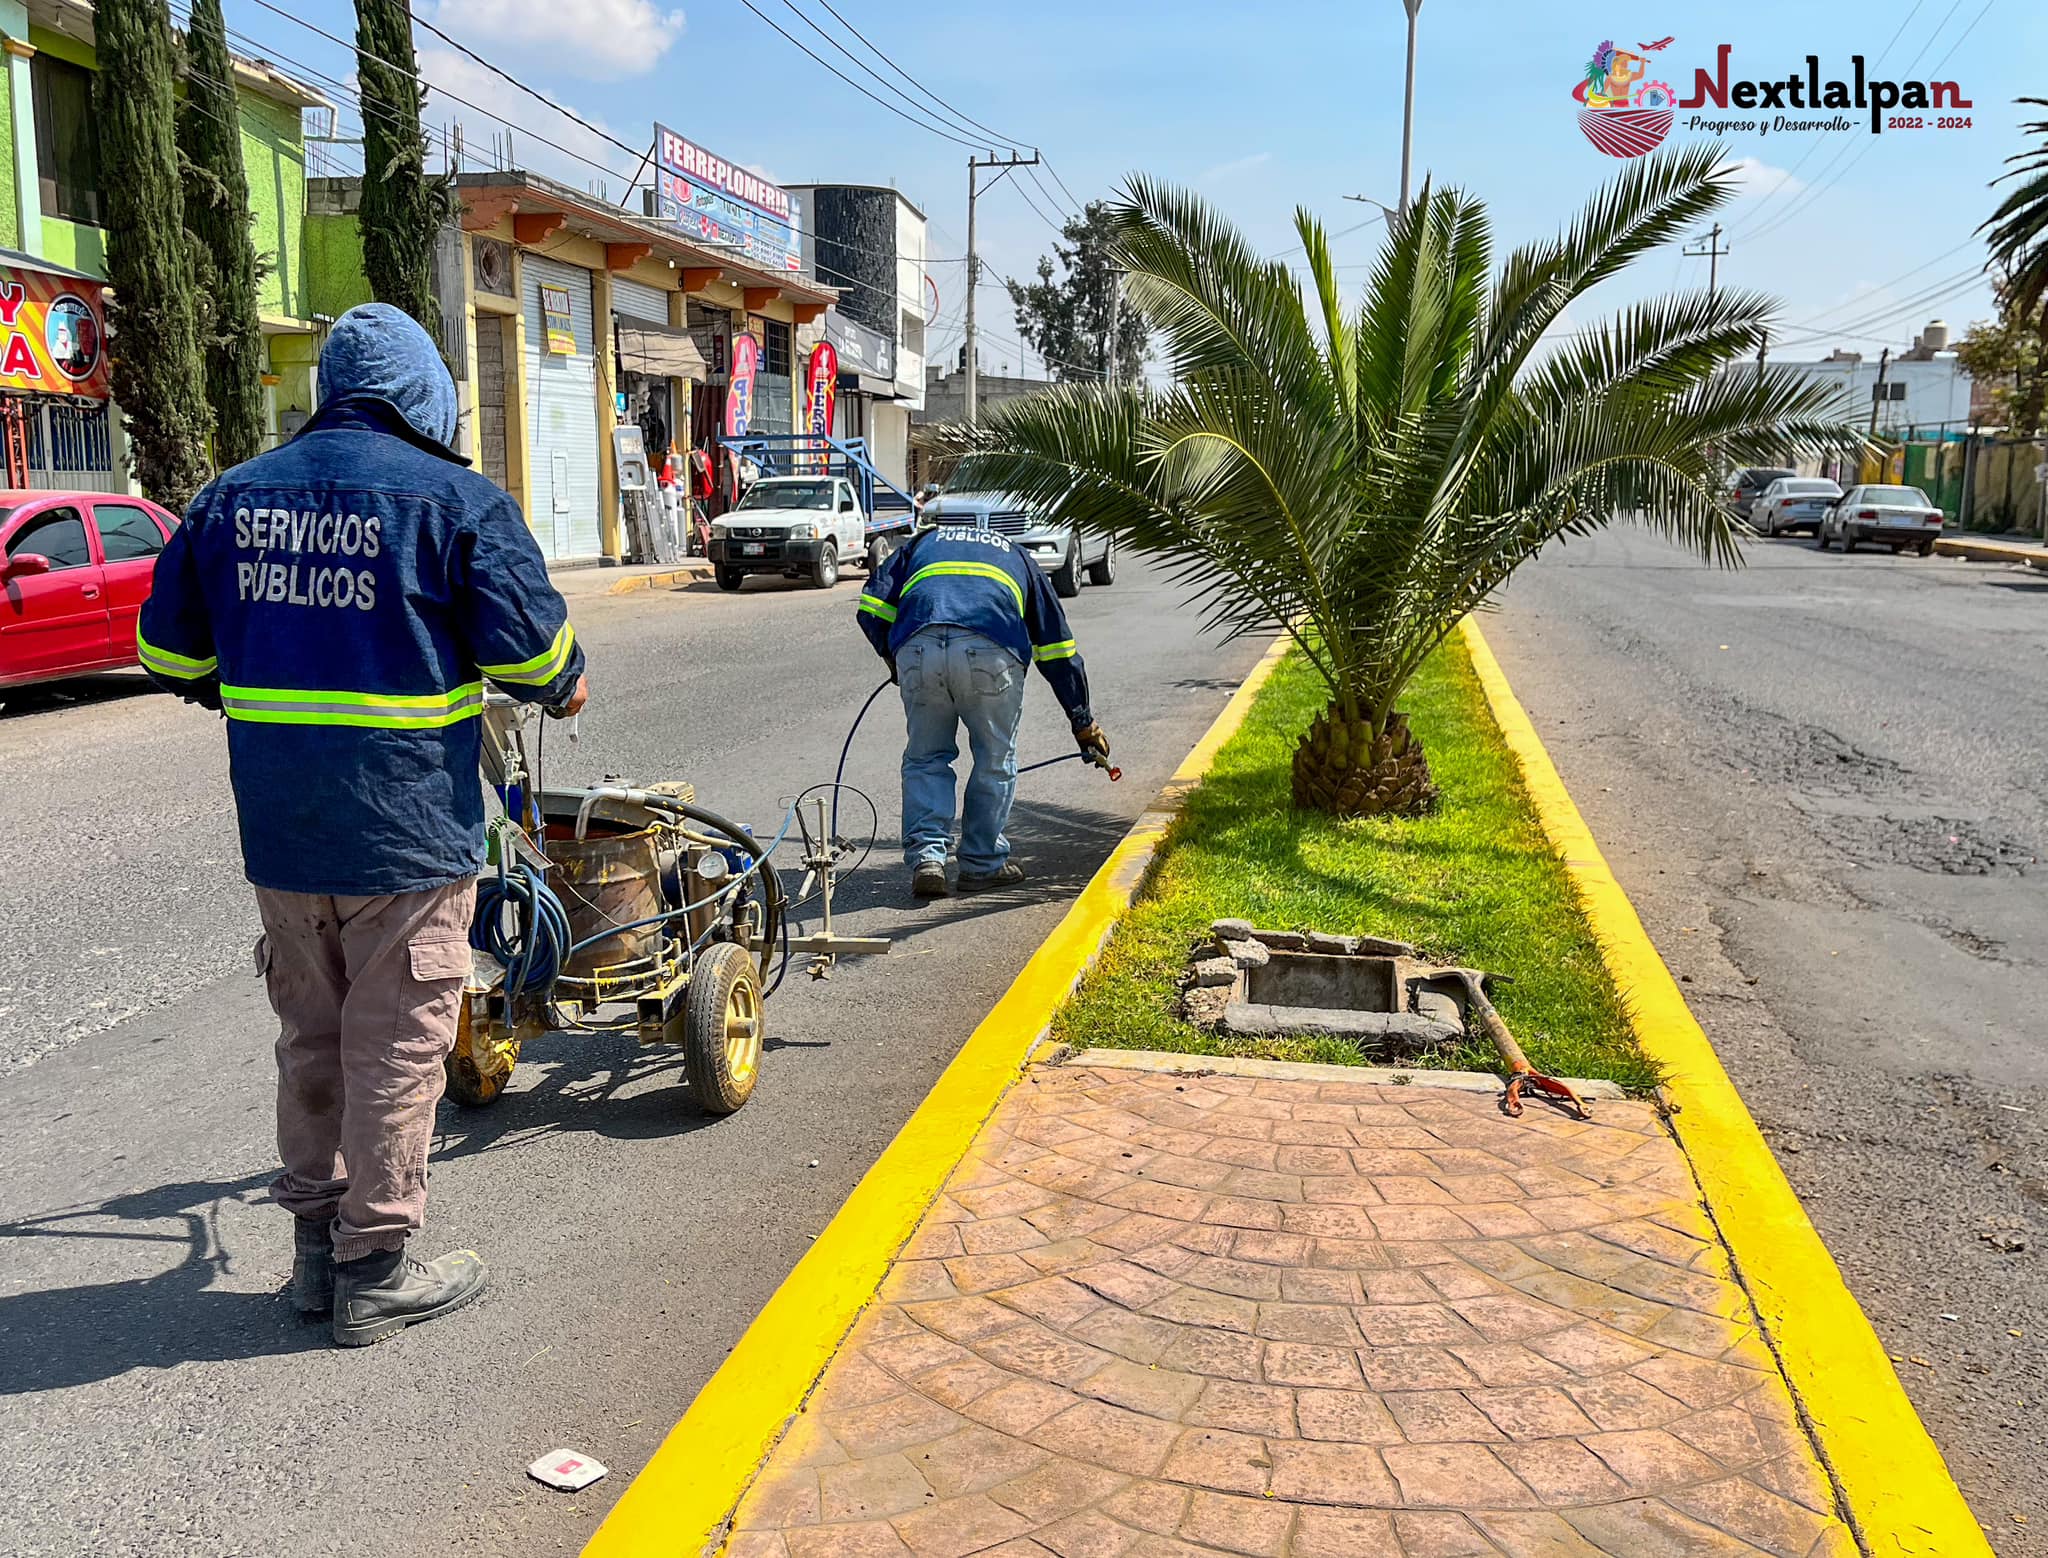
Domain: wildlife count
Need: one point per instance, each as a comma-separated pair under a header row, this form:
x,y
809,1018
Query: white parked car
x,y
1793,503
1897,517
802,527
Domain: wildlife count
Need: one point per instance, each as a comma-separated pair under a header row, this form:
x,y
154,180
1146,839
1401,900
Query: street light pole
x,y
1414,8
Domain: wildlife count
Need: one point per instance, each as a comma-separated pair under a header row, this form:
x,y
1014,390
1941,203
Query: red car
x,y
74,571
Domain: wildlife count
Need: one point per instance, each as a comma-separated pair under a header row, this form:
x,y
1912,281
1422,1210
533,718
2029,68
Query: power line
x,y
1828,182
415,76
1815,145
1007,140
863,91
938,126
538,97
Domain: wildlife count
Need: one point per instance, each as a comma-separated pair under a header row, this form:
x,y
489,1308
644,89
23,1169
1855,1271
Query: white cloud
x,y
1224,170
1754,176
600,40
575,159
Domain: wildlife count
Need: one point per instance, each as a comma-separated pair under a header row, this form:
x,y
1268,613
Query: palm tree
x,y
1365,480
2019,227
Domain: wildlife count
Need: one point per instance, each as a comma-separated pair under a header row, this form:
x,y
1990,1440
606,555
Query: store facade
x,y
867,241
52,224
570,319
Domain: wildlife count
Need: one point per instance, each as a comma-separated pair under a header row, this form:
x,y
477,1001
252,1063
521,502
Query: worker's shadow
x,y
55,1337
1060,848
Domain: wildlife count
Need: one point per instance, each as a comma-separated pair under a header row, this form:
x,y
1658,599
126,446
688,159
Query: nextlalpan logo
x,y
1625,111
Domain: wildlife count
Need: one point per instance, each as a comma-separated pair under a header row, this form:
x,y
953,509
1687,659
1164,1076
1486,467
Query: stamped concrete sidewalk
x,y
1161,1312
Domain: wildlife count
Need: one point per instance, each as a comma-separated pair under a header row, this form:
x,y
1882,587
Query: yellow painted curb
x,y
658,581
682,1499
1900,1496
1992,551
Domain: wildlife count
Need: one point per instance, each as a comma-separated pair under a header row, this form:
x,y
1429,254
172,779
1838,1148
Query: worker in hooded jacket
x,y
960,615
343,600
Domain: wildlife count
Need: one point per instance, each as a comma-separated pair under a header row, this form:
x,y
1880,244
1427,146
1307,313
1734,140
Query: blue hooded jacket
x,y
341,600
956,576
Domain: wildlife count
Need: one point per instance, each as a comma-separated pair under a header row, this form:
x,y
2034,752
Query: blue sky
x,y
1262,107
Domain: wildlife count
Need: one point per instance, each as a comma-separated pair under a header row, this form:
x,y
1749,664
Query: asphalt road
x,y
1824,781
158,1396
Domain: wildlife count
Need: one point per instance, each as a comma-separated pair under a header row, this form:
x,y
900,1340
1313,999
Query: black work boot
x,y
387,1290
1008,874
313,1264
929,880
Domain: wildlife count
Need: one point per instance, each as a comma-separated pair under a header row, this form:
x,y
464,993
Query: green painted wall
x,y
75,244
335,281
274,158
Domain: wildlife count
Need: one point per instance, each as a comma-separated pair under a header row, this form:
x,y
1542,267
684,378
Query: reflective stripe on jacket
x,y
976,579
342,600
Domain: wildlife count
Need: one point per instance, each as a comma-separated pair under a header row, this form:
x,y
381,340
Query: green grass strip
x,y
1474,883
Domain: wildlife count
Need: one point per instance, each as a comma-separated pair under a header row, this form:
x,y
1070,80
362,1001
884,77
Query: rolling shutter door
x,y
561,399
630,300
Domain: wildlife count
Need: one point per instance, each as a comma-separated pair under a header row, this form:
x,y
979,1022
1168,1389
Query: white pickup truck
x,y
802,527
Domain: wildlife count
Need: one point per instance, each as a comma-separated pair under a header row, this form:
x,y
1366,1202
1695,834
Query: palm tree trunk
x,y
1346,767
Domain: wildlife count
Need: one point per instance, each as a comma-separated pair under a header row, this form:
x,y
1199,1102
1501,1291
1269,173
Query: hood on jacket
x,y
377,352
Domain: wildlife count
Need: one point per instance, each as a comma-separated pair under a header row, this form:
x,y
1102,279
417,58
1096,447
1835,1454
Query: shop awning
x,y
659,351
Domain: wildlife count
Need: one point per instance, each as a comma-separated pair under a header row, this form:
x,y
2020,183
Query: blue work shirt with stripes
x,y
953,576
342,600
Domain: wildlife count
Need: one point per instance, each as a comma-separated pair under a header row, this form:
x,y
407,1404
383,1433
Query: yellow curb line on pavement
x,y
657,581
1900,1496
682,1498
1992,551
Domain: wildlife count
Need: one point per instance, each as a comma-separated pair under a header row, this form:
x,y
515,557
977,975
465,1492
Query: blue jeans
x,y
950,678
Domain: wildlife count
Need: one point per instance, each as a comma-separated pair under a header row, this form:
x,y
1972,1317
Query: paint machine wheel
x,y
480,1065
721,1025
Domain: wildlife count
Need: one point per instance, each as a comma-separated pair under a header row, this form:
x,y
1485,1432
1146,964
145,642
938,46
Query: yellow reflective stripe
x,y
967,570
542,668
383,711
1063,650
288,715
170,663
879,607
389,703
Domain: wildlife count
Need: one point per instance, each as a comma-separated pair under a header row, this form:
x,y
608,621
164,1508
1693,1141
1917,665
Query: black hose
x,y
839,774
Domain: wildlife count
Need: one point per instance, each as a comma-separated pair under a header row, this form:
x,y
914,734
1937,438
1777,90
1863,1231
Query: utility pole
x,y
1413,8
1111,371
1712,253
974,167
1884,363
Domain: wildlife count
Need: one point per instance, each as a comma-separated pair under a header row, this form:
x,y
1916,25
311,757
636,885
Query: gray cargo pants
x,y
366,992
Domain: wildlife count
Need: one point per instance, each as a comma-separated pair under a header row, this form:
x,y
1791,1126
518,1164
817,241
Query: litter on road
x,y
569,1470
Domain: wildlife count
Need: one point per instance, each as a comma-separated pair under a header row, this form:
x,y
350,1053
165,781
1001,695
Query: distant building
x,y
1926,388
868,241
945,400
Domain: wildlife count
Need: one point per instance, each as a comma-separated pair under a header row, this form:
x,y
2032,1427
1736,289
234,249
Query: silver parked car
x,y
1897,517
1793,503
1062,552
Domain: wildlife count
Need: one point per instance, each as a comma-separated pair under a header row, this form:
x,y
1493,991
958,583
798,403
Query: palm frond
x,y
1362,478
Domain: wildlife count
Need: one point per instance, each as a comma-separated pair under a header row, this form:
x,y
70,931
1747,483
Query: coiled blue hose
x,y
535,945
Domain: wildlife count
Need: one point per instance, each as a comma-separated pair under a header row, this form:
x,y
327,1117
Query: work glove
x,y
1093,743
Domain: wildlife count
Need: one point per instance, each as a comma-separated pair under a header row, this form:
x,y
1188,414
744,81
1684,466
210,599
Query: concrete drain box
x,y
1263,984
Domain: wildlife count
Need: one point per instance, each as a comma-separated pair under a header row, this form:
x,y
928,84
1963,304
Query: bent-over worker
x,y
341,600
958,614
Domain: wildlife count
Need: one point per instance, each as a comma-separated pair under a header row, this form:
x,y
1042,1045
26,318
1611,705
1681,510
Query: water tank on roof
x,y
1935,336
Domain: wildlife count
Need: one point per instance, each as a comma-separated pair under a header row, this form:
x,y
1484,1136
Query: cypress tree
x,y
402,207
152,337
217,215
